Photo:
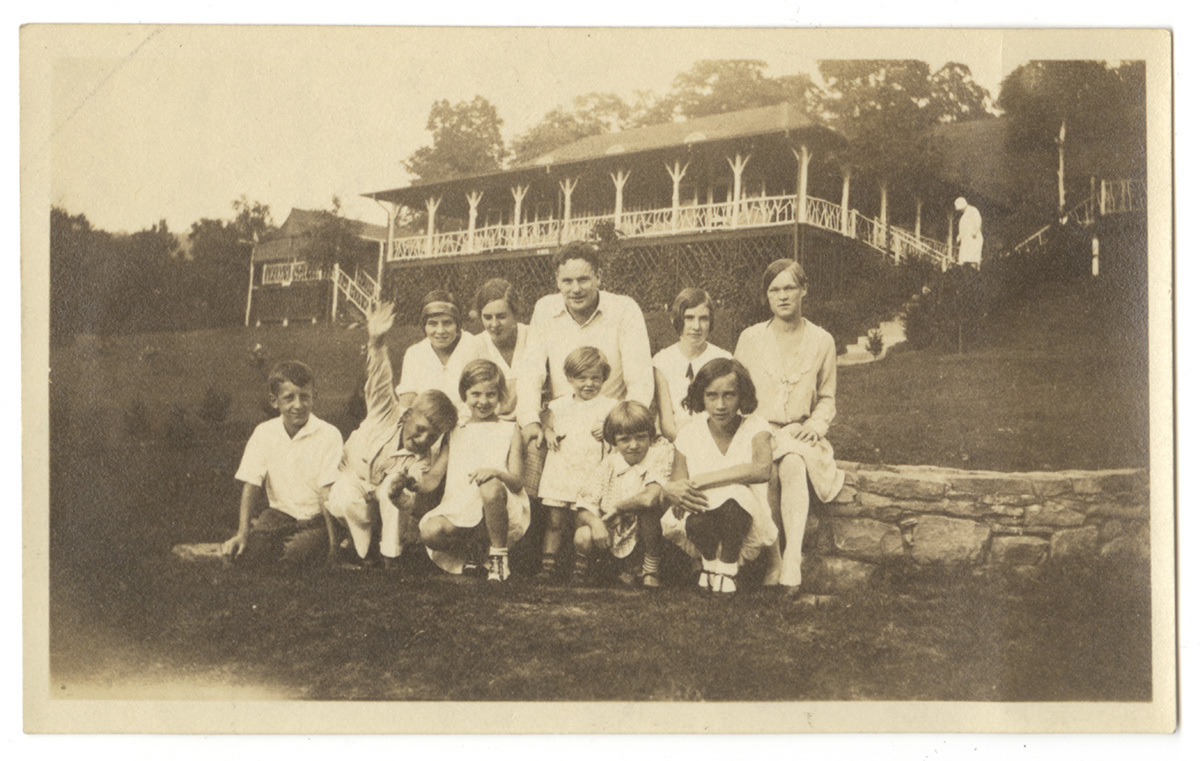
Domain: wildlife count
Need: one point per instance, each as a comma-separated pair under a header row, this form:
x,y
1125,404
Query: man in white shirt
x,y
580,314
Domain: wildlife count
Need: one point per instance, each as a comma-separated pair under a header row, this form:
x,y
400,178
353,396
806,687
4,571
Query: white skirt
x,y
464,509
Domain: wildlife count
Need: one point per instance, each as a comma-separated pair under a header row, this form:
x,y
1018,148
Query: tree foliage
x,y
466,141
714,86
955,96
1098,102
591,114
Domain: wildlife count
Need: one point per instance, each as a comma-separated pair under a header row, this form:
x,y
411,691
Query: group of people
x,y
714,452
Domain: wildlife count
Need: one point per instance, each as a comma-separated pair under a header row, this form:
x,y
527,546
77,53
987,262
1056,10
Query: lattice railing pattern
x,y
283,273
354,291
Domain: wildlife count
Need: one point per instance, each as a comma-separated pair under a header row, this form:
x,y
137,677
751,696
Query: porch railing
x,y
285,273
754,212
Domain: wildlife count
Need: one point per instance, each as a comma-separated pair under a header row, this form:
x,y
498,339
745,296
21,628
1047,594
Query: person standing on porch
x,y
579,315
970,234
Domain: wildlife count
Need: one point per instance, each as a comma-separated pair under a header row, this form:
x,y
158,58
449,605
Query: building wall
x,y
298,302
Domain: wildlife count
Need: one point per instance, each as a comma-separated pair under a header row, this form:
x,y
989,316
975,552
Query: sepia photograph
x,y
626,379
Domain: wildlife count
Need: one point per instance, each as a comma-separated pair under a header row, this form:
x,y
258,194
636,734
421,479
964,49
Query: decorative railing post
x,y
568,187
847,229
738,165
473,199
802,156
917,223
336,284
518,194
431,207
619,178
677,174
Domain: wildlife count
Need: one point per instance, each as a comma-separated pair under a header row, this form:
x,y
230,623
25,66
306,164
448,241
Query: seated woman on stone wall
x,y
794,367
676,365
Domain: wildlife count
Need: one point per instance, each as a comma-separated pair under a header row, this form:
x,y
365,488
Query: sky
x,y
174,123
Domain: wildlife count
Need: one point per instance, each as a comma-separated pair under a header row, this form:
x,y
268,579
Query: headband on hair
x,y
439,307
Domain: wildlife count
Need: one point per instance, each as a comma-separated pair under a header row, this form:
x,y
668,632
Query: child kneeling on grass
x,y
619,505
296,457
485,496
718,489
386,461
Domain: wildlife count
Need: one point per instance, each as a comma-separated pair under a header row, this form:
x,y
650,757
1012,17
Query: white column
x,y
803,157
738,165
392,210
677,173
250,288
949,236
431,207
883,213
568,187
473,199
1095,255
1062,192
846,203
917,224
333,309
1103,196
518,194
619,178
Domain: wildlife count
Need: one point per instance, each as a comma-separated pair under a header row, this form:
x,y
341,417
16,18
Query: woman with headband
x,y
437,361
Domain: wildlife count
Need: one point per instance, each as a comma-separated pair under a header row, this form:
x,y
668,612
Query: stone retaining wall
x,y
927,516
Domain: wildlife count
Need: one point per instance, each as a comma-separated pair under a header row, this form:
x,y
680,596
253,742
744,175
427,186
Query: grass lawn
x,y
1061,386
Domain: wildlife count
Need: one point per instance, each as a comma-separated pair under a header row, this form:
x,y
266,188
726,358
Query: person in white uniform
x,y
970,234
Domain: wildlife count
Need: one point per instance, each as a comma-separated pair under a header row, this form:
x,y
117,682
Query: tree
x,y
333,239
882,107
1093,99
720,86
955,96
466,141
217,263
591,114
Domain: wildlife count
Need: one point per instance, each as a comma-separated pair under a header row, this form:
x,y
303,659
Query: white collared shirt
x,y
422,370
675,369
294,469
616,328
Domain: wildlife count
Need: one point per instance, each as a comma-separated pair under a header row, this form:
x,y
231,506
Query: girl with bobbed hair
x,y
692,316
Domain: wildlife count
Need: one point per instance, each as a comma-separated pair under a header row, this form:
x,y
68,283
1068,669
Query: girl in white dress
x,y
484,490
574,430
718,489
676,365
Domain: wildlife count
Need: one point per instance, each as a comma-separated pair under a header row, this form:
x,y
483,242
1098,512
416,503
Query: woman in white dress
x,y
676,365
437,361
794,367
503,336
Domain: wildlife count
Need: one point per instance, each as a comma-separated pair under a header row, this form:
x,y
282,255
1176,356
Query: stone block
x,y
1110,482
847,494
938,539
1018,550
862,538
1133,546
877,501
990,484
1105,509
1074,543
1006,500
1111,529
919,486
1053,513
829,574
1050,485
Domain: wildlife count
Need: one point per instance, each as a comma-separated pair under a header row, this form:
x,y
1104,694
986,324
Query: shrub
x,y
136,419
180,432
875,343
214,407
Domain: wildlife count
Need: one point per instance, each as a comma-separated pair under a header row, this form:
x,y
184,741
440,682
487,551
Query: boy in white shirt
x,y
295,458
